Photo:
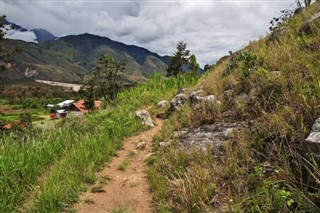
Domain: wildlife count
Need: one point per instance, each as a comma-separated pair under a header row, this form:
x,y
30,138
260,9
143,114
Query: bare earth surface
x,y
127,189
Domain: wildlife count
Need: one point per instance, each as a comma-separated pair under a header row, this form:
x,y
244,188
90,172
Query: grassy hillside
x,y
44,170
269,89
265,166
71,58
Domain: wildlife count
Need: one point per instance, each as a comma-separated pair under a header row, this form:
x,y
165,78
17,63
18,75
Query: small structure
x,y
65,104
61,113
78,108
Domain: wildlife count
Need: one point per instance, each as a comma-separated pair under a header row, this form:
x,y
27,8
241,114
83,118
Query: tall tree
x,y
194,66
105,81
179,58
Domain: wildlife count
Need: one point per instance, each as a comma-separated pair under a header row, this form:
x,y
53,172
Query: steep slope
x,y
270,89
71,58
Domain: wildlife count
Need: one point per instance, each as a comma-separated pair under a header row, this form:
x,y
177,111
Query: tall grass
x,y
45,170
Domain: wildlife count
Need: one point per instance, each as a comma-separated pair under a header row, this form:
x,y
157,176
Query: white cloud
x,y
25,36
210,28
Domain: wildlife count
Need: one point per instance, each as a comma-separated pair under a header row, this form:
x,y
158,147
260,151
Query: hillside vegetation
x,y
270,88
44,170
72,58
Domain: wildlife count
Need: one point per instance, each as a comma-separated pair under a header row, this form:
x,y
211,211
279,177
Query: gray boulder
x,y
163,104
210,99
144,115
198,96
306,27
197,93
178,101
313,141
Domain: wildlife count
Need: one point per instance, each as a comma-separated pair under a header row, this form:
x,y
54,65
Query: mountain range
x,y
72,58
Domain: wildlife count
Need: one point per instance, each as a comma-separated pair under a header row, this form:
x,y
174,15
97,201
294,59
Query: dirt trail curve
x,y
123,184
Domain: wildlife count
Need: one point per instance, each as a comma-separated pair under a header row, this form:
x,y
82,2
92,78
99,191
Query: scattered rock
x,y
210,99
313,141
267,168
141,145
163,104
164,144
306,27
196,94
145,116
178,101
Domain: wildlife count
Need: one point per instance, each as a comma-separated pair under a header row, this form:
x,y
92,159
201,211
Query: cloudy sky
x,y
210,27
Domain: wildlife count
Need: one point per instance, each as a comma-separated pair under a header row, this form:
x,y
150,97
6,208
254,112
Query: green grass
x,y
120,210
59,161
123,165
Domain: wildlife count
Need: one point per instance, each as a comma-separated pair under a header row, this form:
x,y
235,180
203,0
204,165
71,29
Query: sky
x,y
211,28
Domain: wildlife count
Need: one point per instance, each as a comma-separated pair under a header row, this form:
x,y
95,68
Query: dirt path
x,y
123,186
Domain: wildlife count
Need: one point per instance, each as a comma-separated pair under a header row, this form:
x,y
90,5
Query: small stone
x,y
276,73
147,156
141,145
164,144
228,132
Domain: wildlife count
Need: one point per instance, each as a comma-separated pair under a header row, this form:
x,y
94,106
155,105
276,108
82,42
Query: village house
x,y
78,108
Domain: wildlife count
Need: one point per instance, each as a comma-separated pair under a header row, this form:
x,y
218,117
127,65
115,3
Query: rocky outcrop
x,y
178,101
313,141
206,137
196,97
144,115
307,27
